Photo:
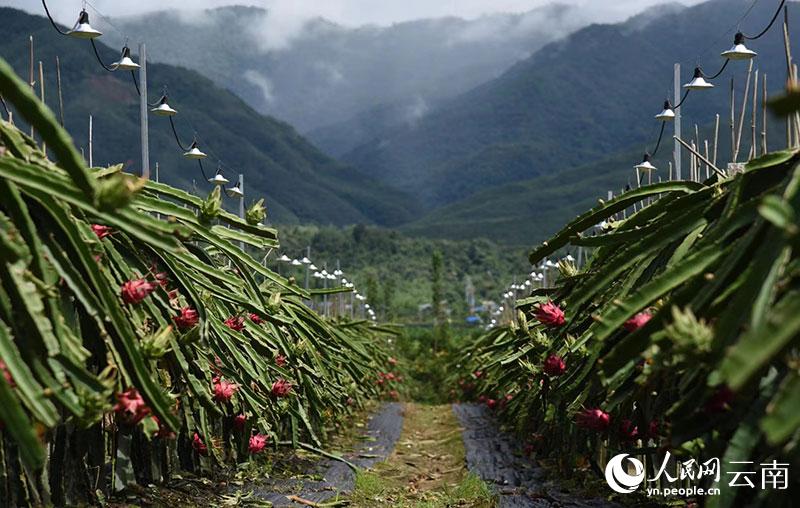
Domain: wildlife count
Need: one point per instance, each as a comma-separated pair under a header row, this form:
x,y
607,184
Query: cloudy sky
x,y
347,12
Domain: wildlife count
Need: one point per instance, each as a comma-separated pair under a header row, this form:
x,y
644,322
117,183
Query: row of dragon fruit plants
x,y
680,334
137,339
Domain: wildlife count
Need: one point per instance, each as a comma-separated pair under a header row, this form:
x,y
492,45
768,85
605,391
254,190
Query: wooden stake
x,y
733,124
713,167
91,162
789,70
753,122
716,139
742,112
41,94
707,169
764,148
30,72
58,84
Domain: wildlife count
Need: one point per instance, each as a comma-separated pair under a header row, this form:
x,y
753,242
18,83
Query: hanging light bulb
x,y
284,259
698,82
667,115
313,267
296,262
739,51
645,165
218,179
235,192
195,153
125,62
305,261
163,108
82,28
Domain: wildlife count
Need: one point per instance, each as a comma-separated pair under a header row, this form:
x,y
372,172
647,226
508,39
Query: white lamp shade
x,y
196,153
235,192
218,179
82,28
667,114
163,108
125,63
739,51
645,165
698,82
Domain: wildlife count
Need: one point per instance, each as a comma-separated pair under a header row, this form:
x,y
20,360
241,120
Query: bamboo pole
x,y
754,121
716,139
743,111
789,70
764,148
733,124
41,95
707,168
91,162
30,73
713,167
58,85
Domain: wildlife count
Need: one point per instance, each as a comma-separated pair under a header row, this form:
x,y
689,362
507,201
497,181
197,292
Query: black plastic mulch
x,y
383,428
497,458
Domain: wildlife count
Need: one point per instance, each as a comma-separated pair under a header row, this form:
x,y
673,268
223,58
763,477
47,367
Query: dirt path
x,y
427,467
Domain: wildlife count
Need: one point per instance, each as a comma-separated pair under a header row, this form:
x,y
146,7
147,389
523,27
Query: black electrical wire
x,y
727,60
683,99
47,11
136,83
660,135
177,139
774,18
97,54
200,162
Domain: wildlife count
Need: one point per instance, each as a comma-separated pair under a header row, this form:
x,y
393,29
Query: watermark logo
x,y
618,477
691,477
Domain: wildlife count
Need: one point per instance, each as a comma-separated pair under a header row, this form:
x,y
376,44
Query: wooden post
x,y
764,147
143,111
58,85
241,204
41,92
30,72
677,133
789,72
754,120
733,124
742,112
716,139
91,161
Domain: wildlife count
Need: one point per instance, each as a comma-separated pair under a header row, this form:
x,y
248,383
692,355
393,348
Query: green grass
x,y
427,468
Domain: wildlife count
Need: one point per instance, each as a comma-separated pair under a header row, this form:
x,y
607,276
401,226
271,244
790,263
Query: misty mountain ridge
x,y
299,182
317,73
583,97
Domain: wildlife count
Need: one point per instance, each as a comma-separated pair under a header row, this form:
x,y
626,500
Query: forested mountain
x,y
572,103
301,183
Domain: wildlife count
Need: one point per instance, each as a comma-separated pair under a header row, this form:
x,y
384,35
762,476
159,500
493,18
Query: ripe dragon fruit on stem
x,y
281,388
593,419
130,407
549,314
224,390
637,321
554,366
188,318
134,291
257,443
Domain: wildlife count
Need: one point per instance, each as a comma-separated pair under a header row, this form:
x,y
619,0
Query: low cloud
x,y
263,83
